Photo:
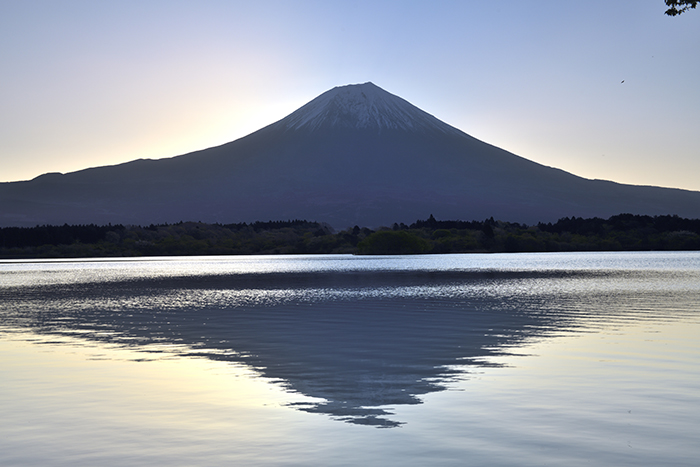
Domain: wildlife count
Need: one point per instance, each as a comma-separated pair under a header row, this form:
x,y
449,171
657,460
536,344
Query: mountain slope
x,y
354,155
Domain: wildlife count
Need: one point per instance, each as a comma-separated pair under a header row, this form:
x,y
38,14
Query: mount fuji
x,y
355,155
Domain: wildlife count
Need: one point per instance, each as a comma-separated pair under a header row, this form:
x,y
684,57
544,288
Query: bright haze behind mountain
x,y
355,155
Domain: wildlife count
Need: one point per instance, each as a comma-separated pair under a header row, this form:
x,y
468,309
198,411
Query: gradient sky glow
x,y
86,83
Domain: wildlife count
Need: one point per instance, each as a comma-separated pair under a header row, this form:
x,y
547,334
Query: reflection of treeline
x,y
625,232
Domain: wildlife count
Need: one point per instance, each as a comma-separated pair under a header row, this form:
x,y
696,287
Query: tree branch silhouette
x,y
679,6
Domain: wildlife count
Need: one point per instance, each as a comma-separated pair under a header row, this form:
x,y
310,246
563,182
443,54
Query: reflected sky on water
x,y
509,359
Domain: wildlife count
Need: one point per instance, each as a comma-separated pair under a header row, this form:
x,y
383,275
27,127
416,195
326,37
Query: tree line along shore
x,y
624,232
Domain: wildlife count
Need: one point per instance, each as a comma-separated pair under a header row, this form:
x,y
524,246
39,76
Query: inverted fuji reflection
x,y
360,335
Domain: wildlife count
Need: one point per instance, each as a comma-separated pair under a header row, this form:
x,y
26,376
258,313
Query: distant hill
x,y
355,155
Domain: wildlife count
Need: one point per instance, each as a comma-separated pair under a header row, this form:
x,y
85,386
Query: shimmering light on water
x,y
566,359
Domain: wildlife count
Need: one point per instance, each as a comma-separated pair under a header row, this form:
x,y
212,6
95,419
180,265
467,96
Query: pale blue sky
x,y
87,83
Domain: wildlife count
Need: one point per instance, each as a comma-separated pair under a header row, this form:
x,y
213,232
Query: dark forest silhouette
x,y
624,232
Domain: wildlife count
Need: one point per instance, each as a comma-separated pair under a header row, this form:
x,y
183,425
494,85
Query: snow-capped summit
x,y
362,106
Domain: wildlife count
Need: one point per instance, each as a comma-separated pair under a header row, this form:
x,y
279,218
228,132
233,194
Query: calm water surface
x,y
513,359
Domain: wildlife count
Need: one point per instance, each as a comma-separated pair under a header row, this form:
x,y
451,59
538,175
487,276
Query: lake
x,y
494,360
